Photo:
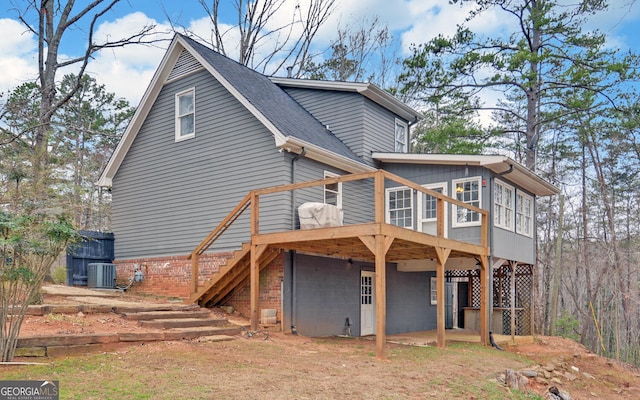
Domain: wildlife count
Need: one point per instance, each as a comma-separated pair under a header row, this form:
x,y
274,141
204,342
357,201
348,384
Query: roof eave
x,y
368,90
317,153
496,163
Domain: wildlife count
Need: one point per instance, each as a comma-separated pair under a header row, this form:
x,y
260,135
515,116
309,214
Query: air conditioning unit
x,y
101,275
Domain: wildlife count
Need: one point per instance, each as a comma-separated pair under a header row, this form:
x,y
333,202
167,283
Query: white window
x,y
401,137
524,214
333,191
400,207
503,199
434,291
186,114
427,204
467,190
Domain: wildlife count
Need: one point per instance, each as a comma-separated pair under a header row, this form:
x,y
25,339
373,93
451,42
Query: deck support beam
x,y
512,297
485,278
381,296
443,255
195,258
256,253
379,245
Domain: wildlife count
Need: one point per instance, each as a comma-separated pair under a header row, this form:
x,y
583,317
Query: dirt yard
x,y
284,366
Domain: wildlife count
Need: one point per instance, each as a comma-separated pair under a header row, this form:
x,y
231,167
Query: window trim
x,y
433,290
399,122
420,220
454,208
517,213
329,174
387,214
179,137
503,207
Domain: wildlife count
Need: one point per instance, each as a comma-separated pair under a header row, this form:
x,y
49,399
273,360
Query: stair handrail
x,y
223,226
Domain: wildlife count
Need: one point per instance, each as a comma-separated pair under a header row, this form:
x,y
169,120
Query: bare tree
x,y
49,21
263,47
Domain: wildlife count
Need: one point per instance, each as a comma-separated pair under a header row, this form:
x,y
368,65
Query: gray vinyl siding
x,y
379,127
167,195
426,174
360,123
504,244
343,112
328,291
355,195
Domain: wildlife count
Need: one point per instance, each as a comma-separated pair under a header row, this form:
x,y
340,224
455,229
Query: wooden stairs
x,y
231,277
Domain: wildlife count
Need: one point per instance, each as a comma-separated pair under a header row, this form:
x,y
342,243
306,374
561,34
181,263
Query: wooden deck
x,y
377,242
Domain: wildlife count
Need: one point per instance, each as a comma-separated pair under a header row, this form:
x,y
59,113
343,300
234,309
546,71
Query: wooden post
x,y
484,229
379,197
485,275
254,287
254,284
440,217
194,273
443,255
381,295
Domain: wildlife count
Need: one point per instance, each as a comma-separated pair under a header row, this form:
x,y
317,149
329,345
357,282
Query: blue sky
x,y
127,71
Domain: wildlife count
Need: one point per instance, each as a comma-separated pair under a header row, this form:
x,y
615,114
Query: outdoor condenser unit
x,y
101,275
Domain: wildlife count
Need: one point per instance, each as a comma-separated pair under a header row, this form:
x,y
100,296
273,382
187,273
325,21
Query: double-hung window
x,y
333,191
401,137
503,199
185,114
524,214
400,207
467,190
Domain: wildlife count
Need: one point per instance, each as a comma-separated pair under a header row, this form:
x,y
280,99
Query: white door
x,y
367,303
427,222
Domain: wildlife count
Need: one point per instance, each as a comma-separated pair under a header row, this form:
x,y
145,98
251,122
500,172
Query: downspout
x,y
292,253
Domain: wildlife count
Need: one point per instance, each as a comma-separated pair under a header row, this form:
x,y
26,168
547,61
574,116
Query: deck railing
x,y
252,201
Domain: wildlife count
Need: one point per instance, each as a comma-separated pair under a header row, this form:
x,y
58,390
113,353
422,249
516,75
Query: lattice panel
x,y
475,288
524,280
502,294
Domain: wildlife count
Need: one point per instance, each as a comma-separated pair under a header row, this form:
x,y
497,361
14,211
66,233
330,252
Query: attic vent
x,y
185,64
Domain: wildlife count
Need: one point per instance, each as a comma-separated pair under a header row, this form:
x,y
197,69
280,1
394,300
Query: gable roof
x,y
510,169
292,126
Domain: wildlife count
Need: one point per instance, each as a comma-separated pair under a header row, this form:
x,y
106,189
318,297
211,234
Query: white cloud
x,y
18,55
127,71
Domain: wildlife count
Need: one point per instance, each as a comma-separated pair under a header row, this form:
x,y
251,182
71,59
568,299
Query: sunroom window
x,y
467,190
503,199
400,207
524,214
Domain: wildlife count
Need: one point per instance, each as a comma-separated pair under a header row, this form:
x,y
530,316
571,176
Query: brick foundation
x,y
167,276
271,278
171,276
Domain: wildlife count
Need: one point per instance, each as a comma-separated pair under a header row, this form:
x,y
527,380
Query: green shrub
x,y
59,275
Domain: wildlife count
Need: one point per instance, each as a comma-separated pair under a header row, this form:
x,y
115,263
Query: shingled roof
x,y
287,115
